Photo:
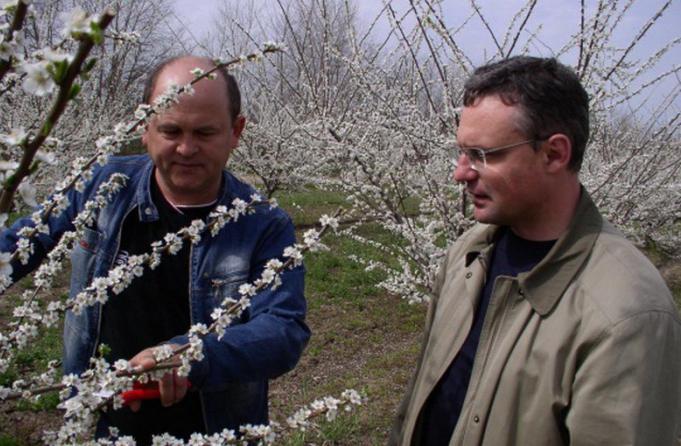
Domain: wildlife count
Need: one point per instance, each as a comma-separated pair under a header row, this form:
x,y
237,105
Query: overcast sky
x,y
558,19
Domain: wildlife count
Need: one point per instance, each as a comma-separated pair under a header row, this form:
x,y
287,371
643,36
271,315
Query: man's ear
x,y
557,152
144,138
238,127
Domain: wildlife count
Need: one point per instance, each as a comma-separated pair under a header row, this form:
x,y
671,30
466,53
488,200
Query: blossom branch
x,y
24,331
327,407
17,24
101,386
66,93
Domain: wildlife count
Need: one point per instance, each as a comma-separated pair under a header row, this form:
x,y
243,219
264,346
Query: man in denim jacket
x,y
180,179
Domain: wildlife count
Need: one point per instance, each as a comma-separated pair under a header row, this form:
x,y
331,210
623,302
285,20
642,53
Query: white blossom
x,y
8,165
52,55
143,111
326,220
38,80
76,21
45,157
273,46
126,36
5,266
294,253
27,192
16,137
247,289
162,352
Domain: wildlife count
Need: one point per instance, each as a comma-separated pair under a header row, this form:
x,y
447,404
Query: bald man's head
x,y
233,93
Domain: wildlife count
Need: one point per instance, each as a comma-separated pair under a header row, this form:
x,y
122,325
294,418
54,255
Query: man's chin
x,y
189,183
183,190
186,187
482,215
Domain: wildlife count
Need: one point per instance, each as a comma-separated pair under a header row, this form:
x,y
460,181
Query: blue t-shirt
x,y
512,255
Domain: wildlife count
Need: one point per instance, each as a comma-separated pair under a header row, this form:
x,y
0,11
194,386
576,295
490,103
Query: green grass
x,y
21,422
350,280
6,440
42,349
306,206
35,357
333,432
363,338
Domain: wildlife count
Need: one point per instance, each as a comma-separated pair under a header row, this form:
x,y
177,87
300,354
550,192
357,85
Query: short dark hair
x,y
549,94
233,93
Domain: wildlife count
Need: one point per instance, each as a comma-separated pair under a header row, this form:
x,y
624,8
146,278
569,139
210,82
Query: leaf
x,y
89,65
97,33
75,89
103,350
47,127
58,70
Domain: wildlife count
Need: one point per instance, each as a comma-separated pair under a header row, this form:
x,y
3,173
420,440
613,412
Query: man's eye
x,y
169,131
476,154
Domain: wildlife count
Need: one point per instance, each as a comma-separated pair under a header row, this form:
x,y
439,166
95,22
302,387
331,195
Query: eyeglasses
x,y
477,157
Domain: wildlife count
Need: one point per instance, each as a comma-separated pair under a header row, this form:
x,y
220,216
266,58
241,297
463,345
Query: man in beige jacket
x,y
547,326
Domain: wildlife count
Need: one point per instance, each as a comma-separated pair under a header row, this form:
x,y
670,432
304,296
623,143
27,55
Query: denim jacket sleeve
x,y
271,340
43,243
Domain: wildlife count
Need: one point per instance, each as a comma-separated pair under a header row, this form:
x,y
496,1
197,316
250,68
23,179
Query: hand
x,y
172,387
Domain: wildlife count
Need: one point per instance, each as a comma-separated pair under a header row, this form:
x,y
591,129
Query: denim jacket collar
x,y
145,204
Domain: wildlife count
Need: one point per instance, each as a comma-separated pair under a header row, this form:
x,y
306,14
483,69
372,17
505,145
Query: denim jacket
x,y
232,377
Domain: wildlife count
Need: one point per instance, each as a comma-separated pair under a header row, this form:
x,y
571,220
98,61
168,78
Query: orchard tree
x,y
294,94
114,69
374,115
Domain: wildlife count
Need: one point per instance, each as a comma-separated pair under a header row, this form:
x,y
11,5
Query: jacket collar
x,y
547,281
145,205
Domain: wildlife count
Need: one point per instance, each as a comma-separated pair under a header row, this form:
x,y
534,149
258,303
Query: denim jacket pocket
x,y
83,259
227,286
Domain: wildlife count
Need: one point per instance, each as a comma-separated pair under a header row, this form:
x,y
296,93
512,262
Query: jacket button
x,y
476,419
147,211
469,275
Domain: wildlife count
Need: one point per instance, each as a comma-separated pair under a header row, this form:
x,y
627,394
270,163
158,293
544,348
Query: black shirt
x,y
153,309
512,255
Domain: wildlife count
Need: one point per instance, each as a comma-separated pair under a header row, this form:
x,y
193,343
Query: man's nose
x,y
187,146
464,171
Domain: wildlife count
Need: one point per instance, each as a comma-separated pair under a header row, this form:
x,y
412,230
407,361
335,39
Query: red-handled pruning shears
x,y
140,391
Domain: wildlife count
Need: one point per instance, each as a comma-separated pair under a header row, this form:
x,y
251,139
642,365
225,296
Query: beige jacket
x,y
585,349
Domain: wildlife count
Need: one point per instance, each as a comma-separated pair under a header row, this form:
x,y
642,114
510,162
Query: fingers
x,y
172,388
144,360
166,387
181,386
